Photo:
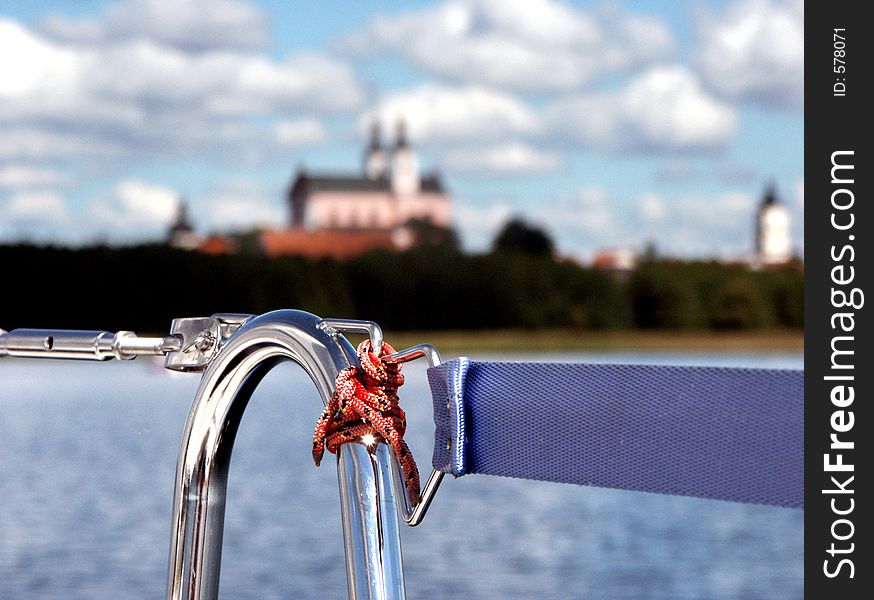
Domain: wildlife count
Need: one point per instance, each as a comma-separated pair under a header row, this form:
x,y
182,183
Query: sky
x,y
610,124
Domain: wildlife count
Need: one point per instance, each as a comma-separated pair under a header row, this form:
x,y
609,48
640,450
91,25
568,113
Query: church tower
x,y
181,234
375,159
773,243
404,165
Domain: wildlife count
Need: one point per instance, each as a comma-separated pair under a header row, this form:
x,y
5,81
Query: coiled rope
x,y
364,404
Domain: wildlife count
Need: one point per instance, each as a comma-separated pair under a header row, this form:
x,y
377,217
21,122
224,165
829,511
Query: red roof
x,y
216,244
324,243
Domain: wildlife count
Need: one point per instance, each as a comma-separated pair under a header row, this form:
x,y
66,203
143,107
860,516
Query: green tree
x,y
662,296
519,236
427,233
740,304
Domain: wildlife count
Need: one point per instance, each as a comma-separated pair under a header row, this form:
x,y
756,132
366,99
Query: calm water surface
x,y
87,460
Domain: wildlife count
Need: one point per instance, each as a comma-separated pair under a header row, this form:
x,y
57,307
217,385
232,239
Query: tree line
x,y
428,287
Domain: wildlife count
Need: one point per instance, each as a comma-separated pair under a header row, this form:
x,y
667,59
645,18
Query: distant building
x,y
181,234
343,215
773,241
616,260
218,244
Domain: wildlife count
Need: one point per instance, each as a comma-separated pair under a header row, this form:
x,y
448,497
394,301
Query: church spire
x,y
770,197
402,141
773,241
375,136
375,158
404,164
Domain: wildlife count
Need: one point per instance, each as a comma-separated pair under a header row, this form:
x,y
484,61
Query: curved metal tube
x,y
370,522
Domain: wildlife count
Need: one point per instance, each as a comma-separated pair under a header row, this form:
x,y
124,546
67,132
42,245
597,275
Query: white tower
x,y
773,243
404,165
375,158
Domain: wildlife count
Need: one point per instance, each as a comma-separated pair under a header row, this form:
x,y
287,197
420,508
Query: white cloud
x,y
530,45
579,223
131,81
139,97
690,225
754,50
33,215
478,224
663,109
32,142
693,225
238,205
503,159
35,206
582,222
651,208
132,210
589,211
23,176
718,224
190,25
438,114
36,64
300,132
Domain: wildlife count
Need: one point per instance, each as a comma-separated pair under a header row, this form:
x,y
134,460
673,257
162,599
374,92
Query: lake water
x,y
87,460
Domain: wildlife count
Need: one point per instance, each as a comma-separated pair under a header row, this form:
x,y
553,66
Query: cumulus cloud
x,y
717,224
140,97
24,176
238,205
701,224
579,222
35,206
190,25
663,109
590,211
132,210
437,114
299,132
478,223
651,208
33,215
753,50
503,159
529,45
31,142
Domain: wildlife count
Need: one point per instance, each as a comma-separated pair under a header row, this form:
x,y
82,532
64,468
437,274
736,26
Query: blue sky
x,y
610,124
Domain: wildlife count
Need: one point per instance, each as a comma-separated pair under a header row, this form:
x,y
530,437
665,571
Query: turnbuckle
x,y
191,345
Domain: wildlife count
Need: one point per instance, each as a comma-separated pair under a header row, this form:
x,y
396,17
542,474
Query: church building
x,y
341,215
773,242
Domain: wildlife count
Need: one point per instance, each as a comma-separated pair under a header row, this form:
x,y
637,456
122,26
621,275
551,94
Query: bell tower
x,y
404,164
375,158
773,242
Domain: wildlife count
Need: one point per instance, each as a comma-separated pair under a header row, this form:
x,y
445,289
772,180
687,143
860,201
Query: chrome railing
x,y
235,352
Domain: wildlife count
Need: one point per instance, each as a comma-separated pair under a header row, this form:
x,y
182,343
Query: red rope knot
x,y
366,404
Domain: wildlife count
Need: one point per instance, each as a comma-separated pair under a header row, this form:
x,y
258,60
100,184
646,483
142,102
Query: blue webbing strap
x,y
724,433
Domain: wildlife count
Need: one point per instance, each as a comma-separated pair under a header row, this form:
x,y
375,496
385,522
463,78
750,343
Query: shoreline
x,y
557,340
